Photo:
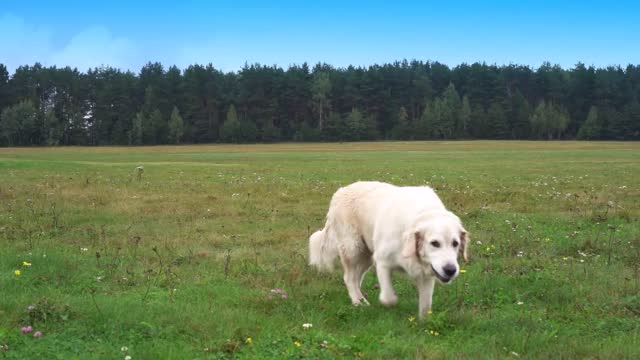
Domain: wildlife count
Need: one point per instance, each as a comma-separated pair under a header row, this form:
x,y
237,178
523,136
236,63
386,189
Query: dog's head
x,y
435,242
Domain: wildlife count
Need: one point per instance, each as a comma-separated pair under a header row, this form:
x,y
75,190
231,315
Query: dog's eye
x,y
435,243
455,243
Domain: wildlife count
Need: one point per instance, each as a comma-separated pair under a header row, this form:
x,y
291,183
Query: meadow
x,y
203,255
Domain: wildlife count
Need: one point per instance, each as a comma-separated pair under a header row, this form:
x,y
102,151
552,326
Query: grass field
x,y
179,263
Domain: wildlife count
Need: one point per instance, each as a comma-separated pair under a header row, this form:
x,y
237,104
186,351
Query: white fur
x,y
394,227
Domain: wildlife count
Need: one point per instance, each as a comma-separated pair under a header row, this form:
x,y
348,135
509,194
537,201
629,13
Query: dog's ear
x,y
464,240
413,241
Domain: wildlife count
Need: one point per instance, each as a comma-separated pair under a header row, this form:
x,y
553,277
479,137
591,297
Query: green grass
x,y
180,264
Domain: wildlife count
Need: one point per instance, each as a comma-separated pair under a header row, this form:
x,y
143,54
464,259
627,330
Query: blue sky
x,y
127,34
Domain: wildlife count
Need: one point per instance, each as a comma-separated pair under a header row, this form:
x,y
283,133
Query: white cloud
x,y
95,47
25,44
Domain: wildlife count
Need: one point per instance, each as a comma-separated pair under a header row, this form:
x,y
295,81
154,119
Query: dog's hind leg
x,y
355,267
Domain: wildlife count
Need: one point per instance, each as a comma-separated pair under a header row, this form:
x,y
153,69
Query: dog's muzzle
x,y
444,279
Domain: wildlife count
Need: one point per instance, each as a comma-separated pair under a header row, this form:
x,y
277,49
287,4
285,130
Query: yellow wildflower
x,y
26,264
249,341
297,343
17,272
462,271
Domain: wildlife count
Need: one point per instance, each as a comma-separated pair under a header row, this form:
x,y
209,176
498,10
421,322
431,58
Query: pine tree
x,y
10,126
401,130
320,93
231,128
51,129
136,134
497,127
335,128
519,116
248,131
465,118
19,124
151,128
425,128
559,120
176,127
355,125
632,113
616,124
478,123
591,128
450,124
539,120
270,133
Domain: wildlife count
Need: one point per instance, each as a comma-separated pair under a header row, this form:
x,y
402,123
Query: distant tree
x,y
449,124
248,131
519,115
320,91
151,128
426,126
632,113
75,129
335,129
465,118
136,134
270,133
10,124
19,124
371,131
540,121
616,124
497,127
592,127
623,124
478,123
5,87
231,128
52,129
549,120
355,125
402,130
176,126
308,133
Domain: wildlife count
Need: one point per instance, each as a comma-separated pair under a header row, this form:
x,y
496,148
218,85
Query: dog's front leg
x,y
425,287
387,295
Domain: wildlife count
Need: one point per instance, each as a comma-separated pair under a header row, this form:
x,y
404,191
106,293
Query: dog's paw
x,y
388,300
362,302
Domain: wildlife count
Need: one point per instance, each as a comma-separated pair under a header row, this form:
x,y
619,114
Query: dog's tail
x,y
322,250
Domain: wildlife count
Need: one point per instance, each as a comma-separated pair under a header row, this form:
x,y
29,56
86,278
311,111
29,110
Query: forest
x,y
404,100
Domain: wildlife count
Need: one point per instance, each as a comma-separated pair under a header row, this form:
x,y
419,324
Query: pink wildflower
x,y
26,329
37,334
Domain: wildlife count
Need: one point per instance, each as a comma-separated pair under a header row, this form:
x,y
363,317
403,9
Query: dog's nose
x,y
450,270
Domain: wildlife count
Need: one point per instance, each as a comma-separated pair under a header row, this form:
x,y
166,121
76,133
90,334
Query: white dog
x,y
397,228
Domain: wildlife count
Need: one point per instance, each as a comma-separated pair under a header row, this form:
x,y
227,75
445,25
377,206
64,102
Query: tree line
x,y
403,101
